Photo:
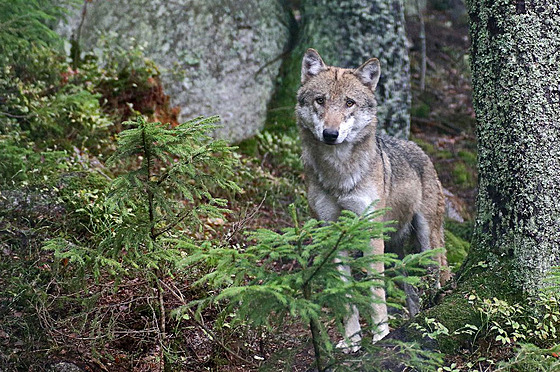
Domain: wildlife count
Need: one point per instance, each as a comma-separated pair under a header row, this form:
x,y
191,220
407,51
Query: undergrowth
x,y
117,251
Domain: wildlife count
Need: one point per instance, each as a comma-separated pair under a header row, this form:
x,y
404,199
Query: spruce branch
x,y
334,249
179,218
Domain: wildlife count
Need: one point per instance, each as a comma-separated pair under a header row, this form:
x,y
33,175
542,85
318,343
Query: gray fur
x,y
361,167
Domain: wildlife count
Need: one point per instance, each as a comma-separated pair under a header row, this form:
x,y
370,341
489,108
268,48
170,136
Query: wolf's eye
x,y
350,103
320,100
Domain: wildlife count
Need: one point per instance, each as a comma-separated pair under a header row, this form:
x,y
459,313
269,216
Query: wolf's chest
x,y
339,171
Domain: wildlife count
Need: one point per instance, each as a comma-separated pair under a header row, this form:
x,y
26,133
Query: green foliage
x,y
143,223
166,193
45,121
295,275
420,110
456,249
48,106
529,357
285,147
126,79
462,230
431,328
24,23
462,176
469,157
121,65
506,323
271,171
20,165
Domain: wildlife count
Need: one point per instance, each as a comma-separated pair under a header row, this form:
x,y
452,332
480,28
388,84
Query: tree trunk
x,y
516,83
347,34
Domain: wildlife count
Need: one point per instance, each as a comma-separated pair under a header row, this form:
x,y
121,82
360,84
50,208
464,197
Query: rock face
x,y
216,57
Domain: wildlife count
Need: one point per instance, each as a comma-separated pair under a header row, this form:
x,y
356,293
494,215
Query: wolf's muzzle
x,y
330,136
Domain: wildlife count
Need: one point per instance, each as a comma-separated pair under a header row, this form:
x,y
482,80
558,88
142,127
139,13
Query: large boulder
x,y
216,56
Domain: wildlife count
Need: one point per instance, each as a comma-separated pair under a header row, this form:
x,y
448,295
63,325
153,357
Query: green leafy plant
x,y
431,328
295,275
166,193
41,114
535,322
529,357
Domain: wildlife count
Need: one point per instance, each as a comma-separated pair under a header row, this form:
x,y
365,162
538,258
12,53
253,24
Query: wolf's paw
x,y
381,332
349,345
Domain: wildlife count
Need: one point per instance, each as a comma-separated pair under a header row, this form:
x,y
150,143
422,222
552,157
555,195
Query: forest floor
x,y
443,125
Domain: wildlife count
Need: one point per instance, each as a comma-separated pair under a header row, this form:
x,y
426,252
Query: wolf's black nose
x,y
330,135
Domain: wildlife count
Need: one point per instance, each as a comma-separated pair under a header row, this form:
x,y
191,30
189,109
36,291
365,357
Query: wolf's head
x,y
337,104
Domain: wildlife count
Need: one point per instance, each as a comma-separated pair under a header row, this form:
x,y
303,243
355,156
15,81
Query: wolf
x,y
348,166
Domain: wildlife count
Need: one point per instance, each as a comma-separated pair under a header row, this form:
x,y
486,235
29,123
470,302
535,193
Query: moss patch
x,y
455,311
456,249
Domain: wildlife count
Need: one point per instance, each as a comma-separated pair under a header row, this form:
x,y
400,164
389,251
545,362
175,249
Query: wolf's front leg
x,y
379,306
352,328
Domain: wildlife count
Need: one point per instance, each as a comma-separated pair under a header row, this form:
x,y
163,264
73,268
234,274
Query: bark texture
x,y
516,82
216,57
348,33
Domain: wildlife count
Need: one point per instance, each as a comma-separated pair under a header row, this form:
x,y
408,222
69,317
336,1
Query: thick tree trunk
x,y
516,82
347,34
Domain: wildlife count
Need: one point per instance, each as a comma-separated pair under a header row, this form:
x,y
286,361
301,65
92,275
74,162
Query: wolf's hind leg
x,y
412,299
379,306
421,231
429,234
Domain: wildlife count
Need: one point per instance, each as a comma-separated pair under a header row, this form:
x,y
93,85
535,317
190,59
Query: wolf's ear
x,y
311,65
369,73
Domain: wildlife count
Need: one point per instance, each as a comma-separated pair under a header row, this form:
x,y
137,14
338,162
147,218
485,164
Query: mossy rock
x,y
456,248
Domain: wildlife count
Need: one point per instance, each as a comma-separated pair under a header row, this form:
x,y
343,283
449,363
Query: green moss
x,y
455,311
468,157
462,175
462,230
281,109
427,147
445,154
249,147
456,249
431,150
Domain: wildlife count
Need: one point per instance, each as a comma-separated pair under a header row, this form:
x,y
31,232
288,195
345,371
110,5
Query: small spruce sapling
x,y
151,210
256,286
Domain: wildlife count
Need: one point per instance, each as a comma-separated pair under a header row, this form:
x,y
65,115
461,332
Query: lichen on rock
x,y
216,57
